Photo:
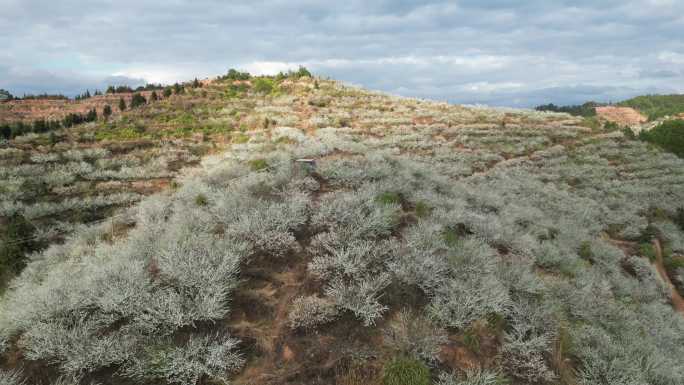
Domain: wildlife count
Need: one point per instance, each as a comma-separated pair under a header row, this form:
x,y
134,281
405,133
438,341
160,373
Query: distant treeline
x,y
587,109
12,130
653,106
41,97
234,74
128,89
656,106
5,95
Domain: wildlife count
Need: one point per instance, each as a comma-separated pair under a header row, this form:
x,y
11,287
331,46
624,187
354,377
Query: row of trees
x,y
127,89
587,109
12,130
44,96
5,95
87,95
39,126
234,74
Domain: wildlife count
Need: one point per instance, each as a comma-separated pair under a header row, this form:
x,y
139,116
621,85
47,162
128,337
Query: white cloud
x,y
671,57
498,51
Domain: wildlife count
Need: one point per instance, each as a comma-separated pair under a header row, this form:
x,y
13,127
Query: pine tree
x,y
92,115
6,131
138,100
153,96
122,104
167,92
196,83
107,111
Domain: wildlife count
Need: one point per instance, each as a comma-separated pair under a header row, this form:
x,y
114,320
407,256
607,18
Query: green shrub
x,y
389,198
405,371
258,164
669,135
263,86
241,138
585,251
647,250
629,134
234,74
15,242
471,340
679,218
422,210
201,200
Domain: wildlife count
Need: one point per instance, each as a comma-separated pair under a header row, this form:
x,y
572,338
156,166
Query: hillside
x,y
656,106
31,110
309,232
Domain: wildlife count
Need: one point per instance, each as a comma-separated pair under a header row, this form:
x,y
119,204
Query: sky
x,y
495,52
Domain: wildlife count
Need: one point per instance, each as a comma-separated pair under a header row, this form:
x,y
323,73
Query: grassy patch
x,y
388,198
405,371
585,251
647,250
201,200
258,164
422,210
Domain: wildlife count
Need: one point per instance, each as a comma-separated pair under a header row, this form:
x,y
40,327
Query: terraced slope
x,y
417,243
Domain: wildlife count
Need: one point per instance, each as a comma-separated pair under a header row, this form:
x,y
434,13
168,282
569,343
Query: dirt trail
x,y
276,353
677,300
630,248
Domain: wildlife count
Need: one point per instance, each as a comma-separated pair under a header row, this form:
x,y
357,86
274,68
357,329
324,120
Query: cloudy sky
x,y
498,52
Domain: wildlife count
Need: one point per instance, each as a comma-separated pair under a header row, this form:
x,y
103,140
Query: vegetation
x,y
235,75
40,126
106,111
399,252
44,96
16,240
300,73
669,135
137,100
263,85
656,106
405,371
587,109
5,95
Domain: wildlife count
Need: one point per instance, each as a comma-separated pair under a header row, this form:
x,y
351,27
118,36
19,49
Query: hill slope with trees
x,y
333,235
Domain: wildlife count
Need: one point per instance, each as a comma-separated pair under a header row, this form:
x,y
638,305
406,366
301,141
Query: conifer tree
x,y
107,111
122,104
138,100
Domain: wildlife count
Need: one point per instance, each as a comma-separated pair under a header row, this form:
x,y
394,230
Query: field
x,y
306,232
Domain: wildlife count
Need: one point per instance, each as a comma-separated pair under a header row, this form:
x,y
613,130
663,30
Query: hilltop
x,y
641,113
308,232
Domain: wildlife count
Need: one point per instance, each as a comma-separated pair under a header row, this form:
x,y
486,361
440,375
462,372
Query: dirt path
x,y
677,300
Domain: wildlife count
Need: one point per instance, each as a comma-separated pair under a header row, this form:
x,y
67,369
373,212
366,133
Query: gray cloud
x,y
500,52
